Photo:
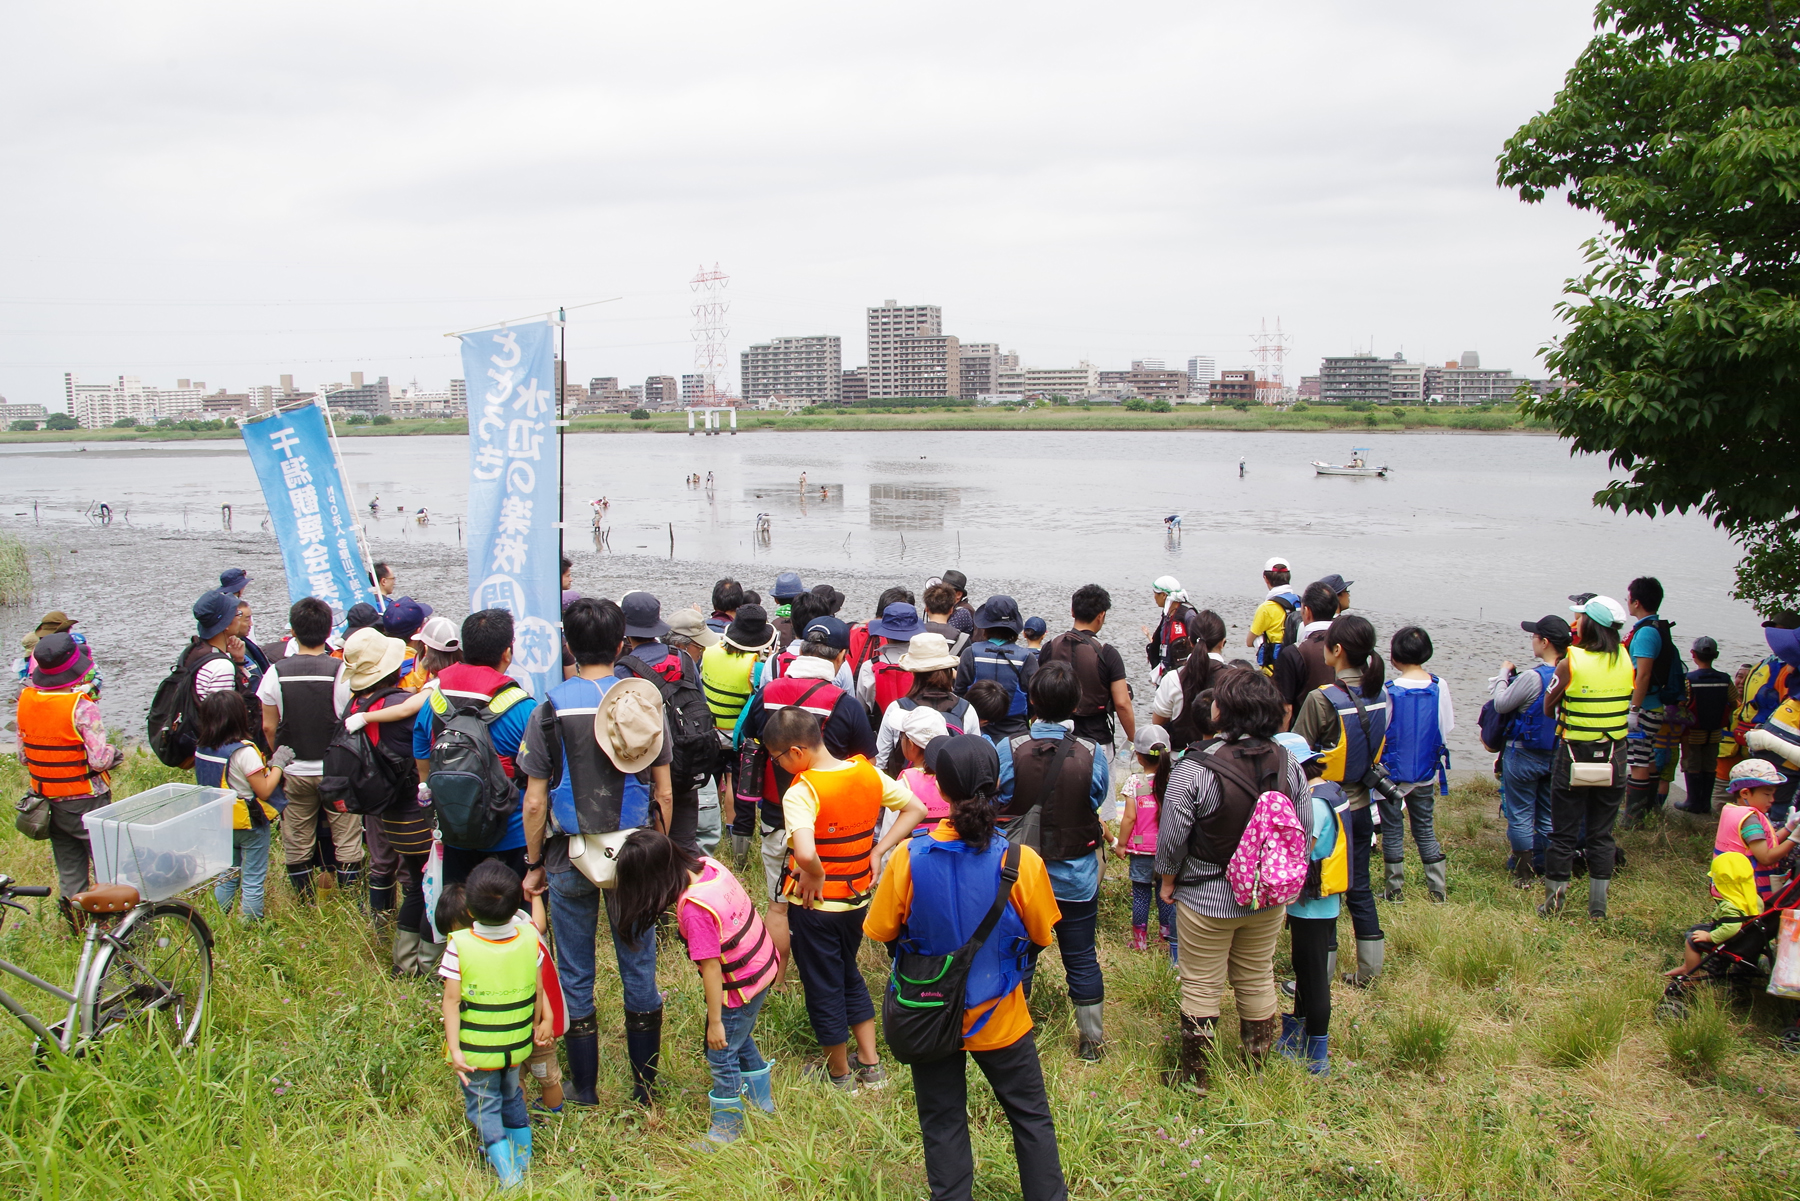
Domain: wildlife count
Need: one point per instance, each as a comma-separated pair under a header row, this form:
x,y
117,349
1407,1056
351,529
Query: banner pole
x,y
562,430
362,540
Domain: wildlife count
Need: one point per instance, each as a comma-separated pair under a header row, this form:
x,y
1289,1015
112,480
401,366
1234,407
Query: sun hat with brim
x,y
834,600
956,580
1551,628
234,580
922,725
1754,773
691,624
213,613
999,613
1296,746
58,661
1151,740
56,622
440,634
899,622
750,629
643,616
629,724
1785,643
1597,609
964,765
928,652
787,586
370,657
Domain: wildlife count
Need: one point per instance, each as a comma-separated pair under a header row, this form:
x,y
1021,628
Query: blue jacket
x,y
953,888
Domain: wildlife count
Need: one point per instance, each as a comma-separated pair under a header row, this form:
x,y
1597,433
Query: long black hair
x,y
223,718
1596,638
1355,637
1198,672
973,819
652,874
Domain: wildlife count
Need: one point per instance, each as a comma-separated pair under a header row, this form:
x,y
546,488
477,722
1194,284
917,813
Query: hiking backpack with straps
x,y
354,777
473,795
696,750
170,723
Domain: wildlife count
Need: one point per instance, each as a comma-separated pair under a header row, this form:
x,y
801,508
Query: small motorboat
x,y
1357,466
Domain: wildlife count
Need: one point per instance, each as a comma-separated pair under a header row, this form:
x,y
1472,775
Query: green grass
x,y
1500,1056
15,571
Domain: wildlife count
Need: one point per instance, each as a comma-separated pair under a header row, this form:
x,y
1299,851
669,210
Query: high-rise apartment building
x,y
10,413
662,392
1073,383
980,367
1352,377
809,368
909,353
459,395
1201,371
360,397
1467,382
98,405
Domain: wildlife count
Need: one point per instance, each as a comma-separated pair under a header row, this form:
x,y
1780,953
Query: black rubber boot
x,y
582,1043
302,879
643,1045
348,877
1640,799
381,896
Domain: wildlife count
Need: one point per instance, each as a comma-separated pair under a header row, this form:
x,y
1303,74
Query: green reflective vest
x,y
1599,697
499,991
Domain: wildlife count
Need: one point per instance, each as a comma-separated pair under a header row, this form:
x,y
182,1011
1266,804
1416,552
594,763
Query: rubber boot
x,y
348,877
759,1090
1597,897
1258,1038
1437,886
301,877
1330,967
643,1045
740,847
1396,880
506,1164
1369,954
406,953
1090,1026
1554,891
1524,872
1640,798
1140,937
1318,1054
430,955
1197,1035
381,898
727,1123
1292,1030
520,1138
582,1043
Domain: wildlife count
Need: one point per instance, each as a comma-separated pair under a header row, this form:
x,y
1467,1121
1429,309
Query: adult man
x,y
1655,664
595,757
383,579
1269,623
787,587
1339,585
1301,666
727,595
480,684
996,655
690,634
256,662
1063,777
1099,669
63,748
216,655
303,699
234,580
677,681
1176,622
962,614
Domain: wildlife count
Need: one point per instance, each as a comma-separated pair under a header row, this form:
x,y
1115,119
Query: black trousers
x,y
1312,939
1570,808
824,945
1360,900
684,818
941,1089
458,863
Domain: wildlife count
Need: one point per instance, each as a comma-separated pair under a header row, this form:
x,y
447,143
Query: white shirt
x,y
269,693
888,736
1169,701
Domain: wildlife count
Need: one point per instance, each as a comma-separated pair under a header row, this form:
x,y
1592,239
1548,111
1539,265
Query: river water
x,y
1469,535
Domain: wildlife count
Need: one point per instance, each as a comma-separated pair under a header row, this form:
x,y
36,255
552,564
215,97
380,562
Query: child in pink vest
x,y
1141,795
921,727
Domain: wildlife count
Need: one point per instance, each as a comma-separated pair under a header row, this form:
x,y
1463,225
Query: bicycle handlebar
x,y
29,890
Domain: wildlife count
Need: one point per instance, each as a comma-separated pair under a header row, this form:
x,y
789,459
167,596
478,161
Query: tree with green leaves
x,y
1679,125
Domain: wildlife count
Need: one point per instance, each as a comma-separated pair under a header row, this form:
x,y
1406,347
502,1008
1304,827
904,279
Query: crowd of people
x,y
932,777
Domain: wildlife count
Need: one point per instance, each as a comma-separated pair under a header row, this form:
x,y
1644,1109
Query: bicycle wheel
x,y
154,970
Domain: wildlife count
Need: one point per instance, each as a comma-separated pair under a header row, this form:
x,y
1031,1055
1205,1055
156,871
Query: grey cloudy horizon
x,y
230,193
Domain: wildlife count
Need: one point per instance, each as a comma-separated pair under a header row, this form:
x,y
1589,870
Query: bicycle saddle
x,y
108,898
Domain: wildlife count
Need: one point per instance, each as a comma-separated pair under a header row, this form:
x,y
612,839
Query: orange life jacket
x,y
51,746
844,831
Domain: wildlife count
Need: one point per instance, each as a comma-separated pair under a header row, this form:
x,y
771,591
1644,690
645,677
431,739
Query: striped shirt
x,y
1193,793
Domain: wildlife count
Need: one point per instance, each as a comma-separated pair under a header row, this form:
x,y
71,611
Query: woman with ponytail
x,y
932,897
1177,706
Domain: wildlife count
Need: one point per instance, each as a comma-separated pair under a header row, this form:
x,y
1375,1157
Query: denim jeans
x,y
575,920
1075,943
1420,801
494,1103
1526,774
740,1054
250,855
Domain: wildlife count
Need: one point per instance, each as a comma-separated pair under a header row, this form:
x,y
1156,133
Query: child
x,y
921,726
1141,794
989,701
1312,920
731,948
226,758
830,812
492,968
1745,826
1033,633
1709,705
1419,719
1734,883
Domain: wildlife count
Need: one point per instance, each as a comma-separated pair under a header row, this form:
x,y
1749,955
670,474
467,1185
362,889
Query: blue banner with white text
x,y
310,508
514,485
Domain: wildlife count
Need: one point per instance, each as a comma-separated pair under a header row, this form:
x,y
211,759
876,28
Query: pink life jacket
x,y
747,956
924,786
1731,838
1142,840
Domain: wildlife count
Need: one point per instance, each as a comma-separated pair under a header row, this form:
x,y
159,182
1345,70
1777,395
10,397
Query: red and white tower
x,y
710,331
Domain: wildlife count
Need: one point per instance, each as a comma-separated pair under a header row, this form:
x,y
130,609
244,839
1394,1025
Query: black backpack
x,y
355,776
696,750
170,722
1666,676
473,795
1290,625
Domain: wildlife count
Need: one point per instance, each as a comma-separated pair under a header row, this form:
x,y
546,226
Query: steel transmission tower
x,y
1271,353
710,330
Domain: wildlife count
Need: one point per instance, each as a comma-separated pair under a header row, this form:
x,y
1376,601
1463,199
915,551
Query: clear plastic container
x,y
164,841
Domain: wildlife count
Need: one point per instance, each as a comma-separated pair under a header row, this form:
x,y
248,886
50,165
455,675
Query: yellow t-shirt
x,y
1270,617
800,811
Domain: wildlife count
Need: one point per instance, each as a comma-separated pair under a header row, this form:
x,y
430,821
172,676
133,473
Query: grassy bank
x,y
1501,1056
1392,420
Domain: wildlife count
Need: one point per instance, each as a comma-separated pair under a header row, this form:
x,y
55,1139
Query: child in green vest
x,y
494,1010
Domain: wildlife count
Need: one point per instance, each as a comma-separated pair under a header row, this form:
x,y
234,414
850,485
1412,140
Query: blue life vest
x,y
575,702
1270,650
1003,663
952,890
1531,727
209,772
1415,744
1347,760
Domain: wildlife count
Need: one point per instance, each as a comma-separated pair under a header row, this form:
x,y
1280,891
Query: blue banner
x,y
514,486
310,508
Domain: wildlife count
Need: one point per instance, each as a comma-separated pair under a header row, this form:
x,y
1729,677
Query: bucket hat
x,y
787,586
834,600
899,622
54,622
928,651
999,613
58,661
1336,582
213,612
404,618
440,634
629,724
750,629
1785,644
370,655
643,616
1754,773
234,580
956,580
691,624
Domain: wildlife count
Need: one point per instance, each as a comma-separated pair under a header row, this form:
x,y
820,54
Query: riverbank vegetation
x,y
1500,1055
15,571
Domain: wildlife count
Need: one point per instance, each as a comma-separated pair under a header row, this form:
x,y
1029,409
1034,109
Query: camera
x,y
1377,779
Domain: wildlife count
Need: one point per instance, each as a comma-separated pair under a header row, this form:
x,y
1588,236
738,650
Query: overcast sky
x,y
229,192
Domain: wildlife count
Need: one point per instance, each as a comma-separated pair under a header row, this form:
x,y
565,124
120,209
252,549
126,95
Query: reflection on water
x,y
911,506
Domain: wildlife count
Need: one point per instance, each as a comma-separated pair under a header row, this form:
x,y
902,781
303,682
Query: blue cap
x,y
1037,627
837,634
1296,746
999,613
213,612
404,618
787,586
899,621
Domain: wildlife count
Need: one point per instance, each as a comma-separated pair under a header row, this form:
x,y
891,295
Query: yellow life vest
x,y
725,678
1598,701
499,994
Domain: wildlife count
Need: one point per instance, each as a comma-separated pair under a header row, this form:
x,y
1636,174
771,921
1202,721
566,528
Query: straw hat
x,y
629,724
370,655
928,652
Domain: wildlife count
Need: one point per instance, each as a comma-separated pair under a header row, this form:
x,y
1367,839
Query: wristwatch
x,y
532,867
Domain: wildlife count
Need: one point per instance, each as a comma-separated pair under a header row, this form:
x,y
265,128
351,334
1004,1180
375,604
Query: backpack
x,y
171,716
1493,725
1270,865
696,750
896,760
1666,677
473,795
354,777
1267,653
892,682
1081,651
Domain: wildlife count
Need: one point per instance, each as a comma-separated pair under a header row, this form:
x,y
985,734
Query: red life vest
x,y
747,956
892,682
818,697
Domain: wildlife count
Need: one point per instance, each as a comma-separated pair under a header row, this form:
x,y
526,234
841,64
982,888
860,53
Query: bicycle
x,y
154,963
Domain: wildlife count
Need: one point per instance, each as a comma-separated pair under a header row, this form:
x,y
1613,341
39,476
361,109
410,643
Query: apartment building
x,y
980,368
909,353
1233,386
807,368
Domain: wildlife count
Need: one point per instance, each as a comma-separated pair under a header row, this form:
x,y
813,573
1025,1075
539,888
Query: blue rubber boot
x,y
1318,1057
727,1123
1292,1031
506,1164
521,1142
759,1090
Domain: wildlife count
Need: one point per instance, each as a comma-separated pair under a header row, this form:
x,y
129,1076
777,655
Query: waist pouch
x,y
1592,764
